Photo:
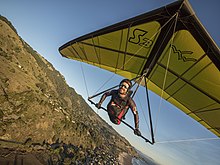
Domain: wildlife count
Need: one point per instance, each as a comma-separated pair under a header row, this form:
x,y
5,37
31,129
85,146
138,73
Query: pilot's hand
x,y
98,105
137,132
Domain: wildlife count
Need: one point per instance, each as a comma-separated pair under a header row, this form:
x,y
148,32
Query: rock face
x,y
38,105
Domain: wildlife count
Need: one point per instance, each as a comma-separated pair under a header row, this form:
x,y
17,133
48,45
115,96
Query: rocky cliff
x,y
39,108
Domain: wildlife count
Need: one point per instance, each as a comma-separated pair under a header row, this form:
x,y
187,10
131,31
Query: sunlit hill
x,y
42,116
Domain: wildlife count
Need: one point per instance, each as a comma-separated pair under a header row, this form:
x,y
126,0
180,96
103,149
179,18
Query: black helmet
x,y
127,81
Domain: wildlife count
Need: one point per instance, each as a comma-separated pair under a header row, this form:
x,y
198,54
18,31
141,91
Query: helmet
x,y
127,81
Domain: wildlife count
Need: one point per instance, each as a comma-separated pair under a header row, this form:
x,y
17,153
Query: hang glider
x,y
167,41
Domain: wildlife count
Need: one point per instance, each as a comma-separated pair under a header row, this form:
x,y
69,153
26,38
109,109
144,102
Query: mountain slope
x,y
38,106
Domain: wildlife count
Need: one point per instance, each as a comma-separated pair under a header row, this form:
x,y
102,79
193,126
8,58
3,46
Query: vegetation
x,y
37,104
8,22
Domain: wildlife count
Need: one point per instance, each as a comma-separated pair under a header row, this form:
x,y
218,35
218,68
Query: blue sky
x,y
46,25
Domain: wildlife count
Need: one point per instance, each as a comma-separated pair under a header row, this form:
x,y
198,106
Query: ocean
x,y
144,160
139,162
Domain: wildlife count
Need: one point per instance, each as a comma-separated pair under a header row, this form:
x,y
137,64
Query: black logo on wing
x,y
181,54
139,38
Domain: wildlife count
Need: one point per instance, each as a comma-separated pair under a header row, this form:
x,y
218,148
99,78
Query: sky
x,y
46,25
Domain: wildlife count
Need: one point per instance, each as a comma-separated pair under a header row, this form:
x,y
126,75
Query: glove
x,y
137,132
98,105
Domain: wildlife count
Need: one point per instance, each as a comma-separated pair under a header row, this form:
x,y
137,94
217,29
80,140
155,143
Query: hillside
x,y
40,113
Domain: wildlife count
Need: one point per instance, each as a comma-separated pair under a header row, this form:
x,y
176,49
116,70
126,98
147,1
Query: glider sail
x,y
169,44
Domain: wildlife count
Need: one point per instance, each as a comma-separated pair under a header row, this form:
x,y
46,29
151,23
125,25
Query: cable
x,y
145,119
165,75
84,79
187,140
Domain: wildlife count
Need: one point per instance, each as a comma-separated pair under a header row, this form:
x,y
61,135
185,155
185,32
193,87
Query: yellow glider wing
x,y
170,44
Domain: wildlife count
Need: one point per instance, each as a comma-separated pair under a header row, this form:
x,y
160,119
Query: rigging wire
x,y
142,110
141,107
81,64
165,74
84,78
186,140
108,80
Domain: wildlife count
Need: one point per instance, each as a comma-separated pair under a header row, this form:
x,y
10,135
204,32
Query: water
x,y
144,160
138,162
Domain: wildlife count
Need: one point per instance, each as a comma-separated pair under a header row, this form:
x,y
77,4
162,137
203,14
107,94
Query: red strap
x,y
120,116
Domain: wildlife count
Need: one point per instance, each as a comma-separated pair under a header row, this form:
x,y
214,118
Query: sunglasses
x,y
123,86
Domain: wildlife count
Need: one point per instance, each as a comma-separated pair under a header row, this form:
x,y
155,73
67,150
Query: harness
x,y
117,108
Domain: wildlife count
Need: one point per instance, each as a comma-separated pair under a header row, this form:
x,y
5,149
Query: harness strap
x,y
120,116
